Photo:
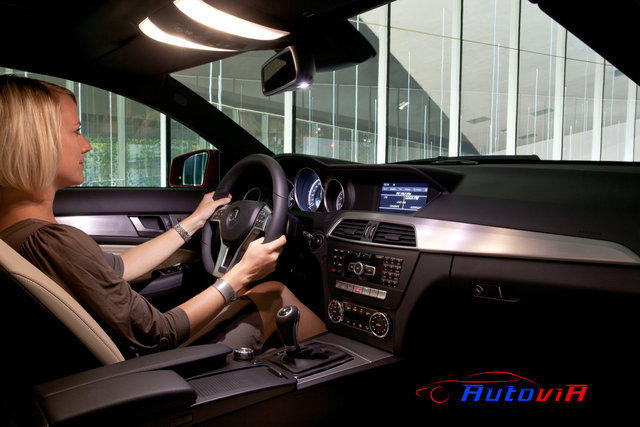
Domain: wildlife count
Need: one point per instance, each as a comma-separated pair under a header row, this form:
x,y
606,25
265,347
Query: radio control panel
x,y
364,286
367,266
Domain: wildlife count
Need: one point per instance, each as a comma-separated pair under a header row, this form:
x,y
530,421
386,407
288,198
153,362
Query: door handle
x,y
144,231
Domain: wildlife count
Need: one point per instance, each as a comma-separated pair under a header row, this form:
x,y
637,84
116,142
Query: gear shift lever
x,y
287,323
311,357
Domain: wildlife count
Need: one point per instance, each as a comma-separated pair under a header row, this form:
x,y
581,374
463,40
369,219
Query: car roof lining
x,y
102,35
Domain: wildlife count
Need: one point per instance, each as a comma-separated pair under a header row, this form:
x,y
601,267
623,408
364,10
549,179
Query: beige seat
x,y
61,305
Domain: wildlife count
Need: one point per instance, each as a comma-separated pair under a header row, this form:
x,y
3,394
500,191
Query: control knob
x,y
335,311
379,324
358,268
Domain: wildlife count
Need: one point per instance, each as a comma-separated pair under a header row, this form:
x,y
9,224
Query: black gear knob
x,y
287,323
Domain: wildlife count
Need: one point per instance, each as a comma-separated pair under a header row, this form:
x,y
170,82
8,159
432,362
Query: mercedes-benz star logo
x,y
234,215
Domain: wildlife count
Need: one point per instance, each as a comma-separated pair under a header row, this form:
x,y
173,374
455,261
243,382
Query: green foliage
x,y
142,162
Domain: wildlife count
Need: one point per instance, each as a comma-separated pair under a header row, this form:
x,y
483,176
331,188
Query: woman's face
x,y
74,146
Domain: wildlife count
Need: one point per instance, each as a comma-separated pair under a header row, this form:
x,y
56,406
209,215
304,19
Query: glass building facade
x,y
451,77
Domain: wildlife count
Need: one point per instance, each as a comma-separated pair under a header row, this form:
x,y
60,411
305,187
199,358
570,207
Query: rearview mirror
x,y
289,69
197,169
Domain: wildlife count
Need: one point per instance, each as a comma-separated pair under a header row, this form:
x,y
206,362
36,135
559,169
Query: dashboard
x,y
390,233
309,192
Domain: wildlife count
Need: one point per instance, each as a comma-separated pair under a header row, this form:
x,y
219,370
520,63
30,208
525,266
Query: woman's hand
x,y
258,261
203,212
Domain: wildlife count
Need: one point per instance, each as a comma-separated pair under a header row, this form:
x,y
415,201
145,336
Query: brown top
x,y
94,278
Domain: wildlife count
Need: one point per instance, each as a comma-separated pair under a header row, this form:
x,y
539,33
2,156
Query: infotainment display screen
x,y
403,197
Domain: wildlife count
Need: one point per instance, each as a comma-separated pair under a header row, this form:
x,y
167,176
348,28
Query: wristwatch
x,y
225,289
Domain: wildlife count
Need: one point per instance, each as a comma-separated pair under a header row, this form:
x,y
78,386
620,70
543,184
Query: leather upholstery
x,y
62,305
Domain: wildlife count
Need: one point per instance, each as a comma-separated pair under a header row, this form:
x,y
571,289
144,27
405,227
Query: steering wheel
x,y
242,221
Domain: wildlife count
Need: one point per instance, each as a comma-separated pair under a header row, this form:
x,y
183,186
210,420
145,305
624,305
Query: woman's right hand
x,y
258,260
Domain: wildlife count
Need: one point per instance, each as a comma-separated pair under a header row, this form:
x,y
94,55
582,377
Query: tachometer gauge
x,y
334,196
307,190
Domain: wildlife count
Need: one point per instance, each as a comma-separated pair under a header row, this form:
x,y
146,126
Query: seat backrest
x,y
46,322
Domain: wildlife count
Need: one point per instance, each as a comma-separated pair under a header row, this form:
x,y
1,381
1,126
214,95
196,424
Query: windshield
x,y
450,78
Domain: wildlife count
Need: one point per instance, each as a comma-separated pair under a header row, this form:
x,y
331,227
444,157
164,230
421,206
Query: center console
x,y
364,289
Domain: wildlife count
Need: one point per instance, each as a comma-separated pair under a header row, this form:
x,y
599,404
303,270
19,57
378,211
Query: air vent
x,y
395,234
350,229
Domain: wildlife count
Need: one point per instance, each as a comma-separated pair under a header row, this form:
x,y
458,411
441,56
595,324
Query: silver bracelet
x,y
225,289
182,232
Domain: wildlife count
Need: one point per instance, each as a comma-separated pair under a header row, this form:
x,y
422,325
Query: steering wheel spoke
x,y
229,256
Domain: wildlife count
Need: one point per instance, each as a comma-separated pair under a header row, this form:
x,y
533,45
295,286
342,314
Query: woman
x,y
41,151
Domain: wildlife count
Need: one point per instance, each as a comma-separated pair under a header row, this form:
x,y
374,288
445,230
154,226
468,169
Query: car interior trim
x,y
98,225
116,249
364,356
472,239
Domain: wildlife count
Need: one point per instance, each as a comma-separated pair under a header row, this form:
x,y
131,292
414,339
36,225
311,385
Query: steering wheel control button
x,y
380,324
262,218
243,353
220,213
335,311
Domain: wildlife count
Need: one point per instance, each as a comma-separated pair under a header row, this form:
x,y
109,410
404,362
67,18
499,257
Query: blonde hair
x,y
30,146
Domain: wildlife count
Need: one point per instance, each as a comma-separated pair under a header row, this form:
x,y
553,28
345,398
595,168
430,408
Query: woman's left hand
x,y
206,208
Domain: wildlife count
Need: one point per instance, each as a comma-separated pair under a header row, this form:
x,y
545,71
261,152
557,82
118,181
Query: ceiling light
x,y
214,18
303,85
403,105
152,31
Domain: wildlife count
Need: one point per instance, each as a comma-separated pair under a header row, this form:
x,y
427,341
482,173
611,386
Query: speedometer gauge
x,y
315,196
308,190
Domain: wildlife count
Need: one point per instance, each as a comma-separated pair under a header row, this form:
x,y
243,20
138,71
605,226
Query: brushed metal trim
x,y
116,249
101,225
433,235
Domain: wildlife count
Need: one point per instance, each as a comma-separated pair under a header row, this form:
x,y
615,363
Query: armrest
x,y
140,393
186,361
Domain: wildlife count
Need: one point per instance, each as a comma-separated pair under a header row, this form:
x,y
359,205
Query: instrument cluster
x,y
307,192
310,195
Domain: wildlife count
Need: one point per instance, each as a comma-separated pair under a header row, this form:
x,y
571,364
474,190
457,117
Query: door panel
x,y
126,216
120,218
105,201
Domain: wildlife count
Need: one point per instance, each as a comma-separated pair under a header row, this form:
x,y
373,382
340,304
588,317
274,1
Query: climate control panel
x,y
356,316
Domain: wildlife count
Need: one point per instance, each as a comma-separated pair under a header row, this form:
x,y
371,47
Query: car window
x,y
233,85
450,78
130,142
